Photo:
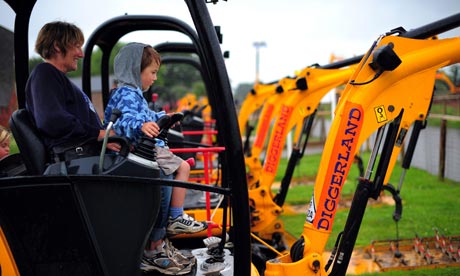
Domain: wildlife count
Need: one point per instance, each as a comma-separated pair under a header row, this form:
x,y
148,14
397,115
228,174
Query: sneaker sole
x,y
184,231
150,268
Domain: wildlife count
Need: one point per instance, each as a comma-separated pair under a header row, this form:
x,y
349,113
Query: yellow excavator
x,y
445,80
390,90
66,224
269,110
295,112
254,100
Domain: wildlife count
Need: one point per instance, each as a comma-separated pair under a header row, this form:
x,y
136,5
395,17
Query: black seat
x,y
31,146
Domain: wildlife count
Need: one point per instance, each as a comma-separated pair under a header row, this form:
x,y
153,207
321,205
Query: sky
x,y
296,33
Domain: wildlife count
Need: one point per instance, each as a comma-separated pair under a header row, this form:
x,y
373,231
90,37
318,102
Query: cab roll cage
x,y
220,97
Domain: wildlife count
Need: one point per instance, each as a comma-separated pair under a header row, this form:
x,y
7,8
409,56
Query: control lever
x,y
145,143
116,113
162,123
174,118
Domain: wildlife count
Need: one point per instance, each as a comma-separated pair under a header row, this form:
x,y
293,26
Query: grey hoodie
x,y
128,96
127,65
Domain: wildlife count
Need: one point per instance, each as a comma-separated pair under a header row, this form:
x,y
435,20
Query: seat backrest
x,y
30,144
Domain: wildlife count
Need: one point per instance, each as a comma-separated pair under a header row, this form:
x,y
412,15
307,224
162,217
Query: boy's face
x,y
149,75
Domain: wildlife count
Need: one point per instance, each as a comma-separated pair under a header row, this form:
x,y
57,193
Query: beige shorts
x,y
168,161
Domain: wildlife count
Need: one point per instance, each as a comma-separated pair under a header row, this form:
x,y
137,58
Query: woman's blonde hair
x,y
4,134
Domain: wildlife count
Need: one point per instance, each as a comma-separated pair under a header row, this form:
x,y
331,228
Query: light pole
x,y
258,45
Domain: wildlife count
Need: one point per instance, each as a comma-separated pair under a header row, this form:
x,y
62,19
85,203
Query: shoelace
x,y
170,249
187,217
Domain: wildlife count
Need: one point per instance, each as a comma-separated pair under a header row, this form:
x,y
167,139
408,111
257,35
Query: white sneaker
x,y
166,260
213,198
184,224
184,257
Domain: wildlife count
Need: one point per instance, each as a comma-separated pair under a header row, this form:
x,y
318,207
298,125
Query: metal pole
x,y
258,45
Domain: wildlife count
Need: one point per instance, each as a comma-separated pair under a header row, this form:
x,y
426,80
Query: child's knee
x,y
185,167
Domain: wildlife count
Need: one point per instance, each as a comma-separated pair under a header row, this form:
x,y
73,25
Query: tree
x,y
174,79
34,62
241,92
177,79
96,60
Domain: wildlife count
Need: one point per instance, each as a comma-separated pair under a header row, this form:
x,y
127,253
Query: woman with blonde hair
x,y
5,137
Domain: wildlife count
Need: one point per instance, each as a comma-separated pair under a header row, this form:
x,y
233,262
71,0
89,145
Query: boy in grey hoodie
x,y
136,67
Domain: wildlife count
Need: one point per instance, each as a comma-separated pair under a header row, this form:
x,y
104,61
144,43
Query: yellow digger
x,y
66,224
391,89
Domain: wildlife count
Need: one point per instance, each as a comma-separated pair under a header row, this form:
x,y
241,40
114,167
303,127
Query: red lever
x,y
191,162
154,97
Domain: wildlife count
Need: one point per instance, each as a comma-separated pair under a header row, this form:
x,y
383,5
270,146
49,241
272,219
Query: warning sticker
x,y
380,114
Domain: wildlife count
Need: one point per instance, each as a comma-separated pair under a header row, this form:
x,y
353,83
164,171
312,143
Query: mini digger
x,y
62,218
281,113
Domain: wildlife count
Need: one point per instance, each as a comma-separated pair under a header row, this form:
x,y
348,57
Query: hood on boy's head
x,y
127,65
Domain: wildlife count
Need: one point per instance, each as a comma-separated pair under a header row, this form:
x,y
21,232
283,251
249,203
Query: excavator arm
x,y
254,101
312,85
390,90
270,109
443,78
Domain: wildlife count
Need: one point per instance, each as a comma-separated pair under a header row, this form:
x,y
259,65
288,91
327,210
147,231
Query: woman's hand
x,y
111,146
102,134
114,146
150,129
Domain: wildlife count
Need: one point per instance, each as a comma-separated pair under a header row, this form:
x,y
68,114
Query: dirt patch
x,y
389,255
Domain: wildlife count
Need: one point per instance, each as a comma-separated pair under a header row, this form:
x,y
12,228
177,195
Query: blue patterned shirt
x,y
135,112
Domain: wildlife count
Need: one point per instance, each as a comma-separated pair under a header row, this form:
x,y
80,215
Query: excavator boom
x,y
390,90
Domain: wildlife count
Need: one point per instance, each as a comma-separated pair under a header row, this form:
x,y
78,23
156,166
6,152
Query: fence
x,y
438,150
438,147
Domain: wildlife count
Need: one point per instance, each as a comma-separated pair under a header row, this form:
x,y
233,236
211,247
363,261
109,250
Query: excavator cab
x,y
88,222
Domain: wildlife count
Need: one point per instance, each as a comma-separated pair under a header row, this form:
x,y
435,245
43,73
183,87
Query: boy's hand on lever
x,y
150,129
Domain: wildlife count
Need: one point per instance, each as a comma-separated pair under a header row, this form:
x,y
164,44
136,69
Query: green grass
x,y
428,204
13,147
